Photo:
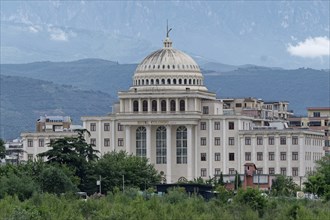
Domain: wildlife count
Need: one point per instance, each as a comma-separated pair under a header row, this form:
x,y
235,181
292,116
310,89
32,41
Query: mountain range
x,y
90,86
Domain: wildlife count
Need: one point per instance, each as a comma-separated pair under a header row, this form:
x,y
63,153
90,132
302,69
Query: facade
x,y
169,117
48,128
318,119
14,151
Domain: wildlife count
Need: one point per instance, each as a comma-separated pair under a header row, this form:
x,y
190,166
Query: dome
x,y
168,67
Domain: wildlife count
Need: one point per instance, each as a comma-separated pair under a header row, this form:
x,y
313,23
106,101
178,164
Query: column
x,y
130,106
148,127
177,106
253,154
121,101
168,106
265,156
149,105
277,155
289,156
128,139
168,154
100,141
140,105
196,152
113,137
189,152
196,107
301,156
186,104
158,105
224,156
241,154
211,142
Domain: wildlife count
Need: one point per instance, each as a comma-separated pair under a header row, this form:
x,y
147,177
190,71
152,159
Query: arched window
x,y
182,106
173,66
154,105
172,105
141,144
135,106
163,106
180,81
168,67
193,81
181,145
145,105
161,145
185,81
147,81
143,82
189,81
163,81
168,81
139,82
152,81
157,81
174,81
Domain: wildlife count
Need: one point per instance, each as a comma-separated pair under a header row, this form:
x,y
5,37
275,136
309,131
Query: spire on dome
x,y
167,41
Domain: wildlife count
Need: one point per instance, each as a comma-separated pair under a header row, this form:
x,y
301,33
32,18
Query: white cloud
x,y
311,48
58,34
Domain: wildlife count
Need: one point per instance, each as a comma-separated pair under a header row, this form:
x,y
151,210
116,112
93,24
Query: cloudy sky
x,y
289,34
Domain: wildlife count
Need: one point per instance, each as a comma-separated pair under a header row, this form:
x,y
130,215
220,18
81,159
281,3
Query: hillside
x,y
23,100
301,87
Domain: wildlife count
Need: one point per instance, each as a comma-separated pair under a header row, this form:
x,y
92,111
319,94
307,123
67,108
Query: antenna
x,y
167,30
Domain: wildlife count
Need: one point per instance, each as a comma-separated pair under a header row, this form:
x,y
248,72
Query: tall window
x,y
141,144
217,141
283,155
203,156
259,156
231,125
172,104
41,143
294,155
120,142
283,140
217,125
93,142
154,105
203,172
30,142
295,171
93,127
247,141
120,127
205,110
294,140
203,125
145,105
283,171
135,106
248,156
163,106
259,140
106,142
271,140
231,141
217,156
271,156
161,145
106,126
271,170
182,106
181,145
30,156
231,156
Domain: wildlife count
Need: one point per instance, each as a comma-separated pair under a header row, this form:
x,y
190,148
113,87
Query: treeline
x,y
176,204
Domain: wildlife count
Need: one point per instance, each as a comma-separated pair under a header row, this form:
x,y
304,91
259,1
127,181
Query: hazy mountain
x,y
23,100
301,87
232,32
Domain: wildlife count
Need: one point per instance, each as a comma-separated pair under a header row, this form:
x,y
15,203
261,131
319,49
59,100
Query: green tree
x,y
284,186
53,180
220,181
237,181
2,149
253,198
117,169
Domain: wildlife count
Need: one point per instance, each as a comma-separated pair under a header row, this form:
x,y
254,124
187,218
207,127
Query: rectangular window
x,y
231,156
260,171
203,172
93,127
93,142
283,171
106,126
203,156
120,142
217,141
248,156
271,140
294,155
30,156
203,141
231,171
41,143
106,142
295,171
217,171
217,125
203,125
120,127
217,156
271,156
259,141
30,142
283,156
259,156
238,105
294,140
316,114
247,141
271,170
231,125
231,141
205,110
283,140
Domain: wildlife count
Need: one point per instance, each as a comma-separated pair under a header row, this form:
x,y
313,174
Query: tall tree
x,y
284,186
2,149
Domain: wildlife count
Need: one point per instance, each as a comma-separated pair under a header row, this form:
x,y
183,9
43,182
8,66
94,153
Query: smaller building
x,y
14,151
48,128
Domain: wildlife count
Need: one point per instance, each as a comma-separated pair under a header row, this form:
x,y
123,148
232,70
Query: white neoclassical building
x,y
170,117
